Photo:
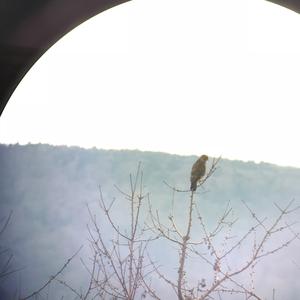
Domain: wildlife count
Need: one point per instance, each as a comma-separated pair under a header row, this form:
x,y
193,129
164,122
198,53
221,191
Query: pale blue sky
x,y
216,77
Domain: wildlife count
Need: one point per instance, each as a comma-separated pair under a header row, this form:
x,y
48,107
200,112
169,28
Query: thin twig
x,y
54,276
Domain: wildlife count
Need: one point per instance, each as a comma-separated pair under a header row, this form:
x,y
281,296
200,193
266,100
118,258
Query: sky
x,y
215,77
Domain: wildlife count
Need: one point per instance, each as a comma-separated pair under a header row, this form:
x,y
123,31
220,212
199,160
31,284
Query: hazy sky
x,y
216,77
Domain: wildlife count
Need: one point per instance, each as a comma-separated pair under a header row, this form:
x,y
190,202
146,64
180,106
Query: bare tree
x,y
5,255
121,264
215,250
118,267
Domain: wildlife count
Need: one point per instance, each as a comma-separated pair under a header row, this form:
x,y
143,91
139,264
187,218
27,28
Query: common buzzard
x,y
198,171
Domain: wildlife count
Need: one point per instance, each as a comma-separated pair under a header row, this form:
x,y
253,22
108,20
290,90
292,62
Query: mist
x,y
48,188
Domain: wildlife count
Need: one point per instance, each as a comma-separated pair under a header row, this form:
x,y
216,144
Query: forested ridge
x,y
47,189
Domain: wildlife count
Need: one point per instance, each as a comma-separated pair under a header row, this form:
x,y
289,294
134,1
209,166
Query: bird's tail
x,y
194,186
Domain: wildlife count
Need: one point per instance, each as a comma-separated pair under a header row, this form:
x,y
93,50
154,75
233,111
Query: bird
x,y
198,171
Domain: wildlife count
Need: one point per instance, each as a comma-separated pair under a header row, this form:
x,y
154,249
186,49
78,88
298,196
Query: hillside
x,y
48,187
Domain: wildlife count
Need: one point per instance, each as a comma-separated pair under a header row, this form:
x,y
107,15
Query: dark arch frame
x,y
29,27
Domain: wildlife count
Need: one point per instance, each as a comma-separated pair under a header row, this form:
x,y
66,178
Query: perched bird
x,y
198,171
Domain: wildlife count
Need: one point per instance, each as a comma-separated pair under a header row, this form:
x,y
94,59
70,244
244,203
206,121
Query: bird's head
x,y
204,157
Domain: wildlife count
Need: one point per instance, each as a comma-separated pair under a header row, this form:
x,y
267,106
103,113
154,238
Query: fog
x,y
48,189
